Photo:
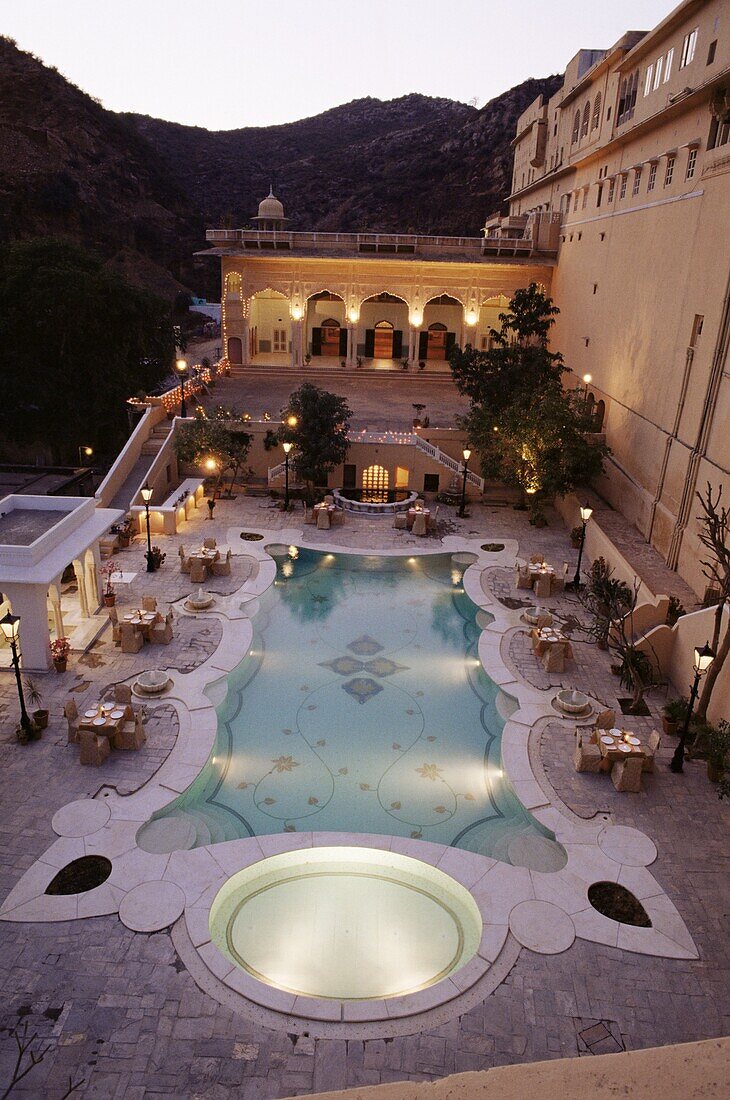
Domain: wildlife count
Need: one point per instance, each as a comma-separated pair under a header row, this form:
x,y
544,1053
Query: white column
x,y
413,345
245,341
297,353
30,601
351,346
81,582
57,612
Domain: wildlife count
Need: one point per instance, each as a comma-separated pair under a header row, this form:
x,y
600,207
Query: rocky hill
x,y
414,164
70,168
140,191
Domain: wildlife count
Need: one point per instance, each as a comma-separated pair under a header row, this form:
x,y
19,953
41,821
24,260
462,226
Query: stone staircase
x,y
157,437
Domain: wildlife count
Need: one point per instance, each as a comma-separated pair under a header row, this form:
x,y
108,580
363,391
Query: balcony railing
x,y
380,244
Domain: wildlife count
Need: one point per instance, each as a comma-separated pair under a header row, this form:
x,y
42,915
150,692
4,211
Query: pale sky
x,y
228,63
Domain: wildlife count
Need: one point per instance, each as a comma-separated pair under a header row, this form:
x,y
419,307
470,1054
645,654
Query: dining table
x,y
413,512
207,555
105,718
142,620
617,744
545,637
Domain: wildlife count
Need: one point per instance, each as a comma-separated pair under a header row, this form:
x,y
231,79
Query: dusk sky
x,y
228,63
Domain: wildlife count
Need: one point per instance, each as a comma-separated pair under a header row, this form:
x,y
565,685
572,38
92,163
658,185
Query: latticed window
x,y
650,183
576,128
375,485
669,172
596,112
691,163
586,120
637,181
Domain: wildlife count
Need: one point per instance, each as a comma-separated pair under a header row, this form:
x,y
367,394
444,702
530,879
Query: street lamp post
x,y
462,508
147,497
10,625
585,515
287,447
704,656
84,452
181,366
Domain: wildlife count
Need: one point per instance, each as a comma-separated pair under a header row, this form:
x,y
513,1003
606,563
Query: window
x,y
585,199
622,192
575,204
576,128
649,81
651,182
627,98
670,171
688,48
599,196
668,66
637,182
611,186
375,485
696,329
430,483
586,120
711,52
691,163
719,134
596,112
658,72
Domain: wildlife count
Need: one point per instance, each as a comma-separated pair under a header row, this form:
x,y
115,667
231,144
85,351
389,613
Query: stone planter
x,y
40,719
669,726
110,599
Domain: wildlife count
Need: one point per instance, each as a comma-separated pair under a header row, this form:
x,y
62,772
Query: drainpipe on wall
x,y
703,432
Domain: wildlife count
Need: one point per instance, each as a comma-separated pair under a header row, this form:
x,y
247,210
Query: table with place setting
x,y
413,512
142,620
105,718
617,744
545,637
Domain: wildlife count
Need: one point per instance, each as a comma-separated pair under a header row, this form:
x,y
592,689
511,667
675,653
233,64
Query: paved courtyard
x,y
119,1011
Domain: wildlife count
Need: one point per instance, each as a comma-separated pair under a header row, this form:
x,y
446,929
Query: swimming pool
x,y
360,707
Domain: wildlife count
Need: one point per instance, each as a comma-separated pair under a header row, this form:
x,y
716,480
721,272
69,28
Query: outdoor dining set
x,y
208,560
325,514
607,748
105,726
419,519
540,576
140,625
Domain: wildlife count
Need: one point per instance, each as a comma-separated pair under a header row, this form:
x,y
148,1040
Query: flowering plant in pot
x,y
107,571
60,649
123,531
39,716
158,557
576,536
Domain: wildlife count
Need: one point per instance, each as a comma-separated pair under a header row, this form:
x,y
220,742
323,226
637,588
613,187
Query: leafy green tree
x,y
320,433
216,439
519,362
76,341
527,429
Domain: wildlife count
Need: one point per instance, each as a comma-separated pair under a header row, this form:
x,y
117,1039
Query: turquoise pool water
x,y
361,707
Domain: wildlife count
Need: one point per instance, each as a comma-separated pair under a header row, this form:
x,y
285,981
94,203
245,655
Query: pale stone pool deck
x,y
519,905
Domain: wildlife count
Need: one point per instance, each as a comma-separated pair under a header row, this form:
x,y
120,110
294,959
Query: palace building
x,y
620,208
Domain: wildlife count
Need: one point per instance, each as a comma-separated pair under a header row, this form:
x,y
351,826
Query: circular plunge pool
x,y
345,923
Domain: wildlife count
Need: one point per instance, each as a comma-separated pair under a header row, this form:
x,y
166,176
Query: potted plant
x,y
674,712
107,569
717,751
157,556
60,649
576,536
39,716
675,611
421,364
123,531
307,359
358,362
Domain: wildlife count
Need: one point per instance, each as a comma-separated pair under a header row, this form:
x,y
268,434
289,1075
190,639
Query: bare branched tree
x,y
28,1057
715,537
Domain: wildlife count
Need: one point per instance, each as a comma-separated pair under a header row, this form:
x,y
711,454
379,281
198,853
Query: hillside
x,y
140,191
68,167
414,164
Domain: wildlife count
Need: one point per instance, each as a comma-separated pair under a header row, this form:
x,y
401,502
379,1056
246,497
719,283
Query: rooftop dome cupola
x,y
271,213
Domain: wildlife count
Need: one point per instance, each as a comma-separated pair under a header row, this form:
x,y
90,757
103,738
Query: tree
x,y
320,433
527,430
519,362
215,439
76,341
715,538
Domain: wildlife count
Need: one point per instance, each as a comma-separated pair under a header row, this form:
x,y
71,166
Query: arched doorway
x,y
375,485
235,351
330,333
383,340
436,341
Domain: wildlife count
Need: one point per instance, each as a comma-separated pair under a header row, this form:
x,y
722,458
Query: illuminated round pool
x,y
345,923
